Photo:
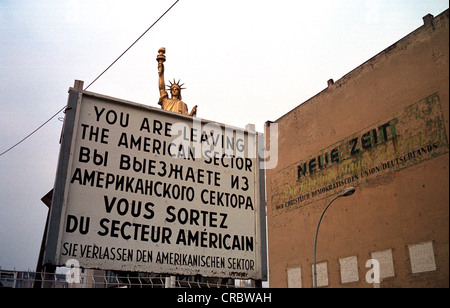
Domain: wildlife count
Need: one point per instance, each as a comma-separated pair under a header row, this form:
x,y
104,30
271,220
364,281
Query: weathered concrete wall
x,y
384,129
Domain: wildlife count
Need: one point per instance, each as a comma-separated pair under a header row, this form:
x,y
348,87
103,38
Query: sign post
x,y
147,190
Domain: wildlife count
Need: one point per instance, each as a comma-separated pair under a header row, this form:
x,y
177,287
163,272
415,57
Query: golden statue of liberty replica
x,y
174,103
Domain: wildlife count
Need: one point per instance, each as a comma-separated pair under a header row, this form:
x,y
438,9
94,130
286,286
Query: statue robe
x,y
173,104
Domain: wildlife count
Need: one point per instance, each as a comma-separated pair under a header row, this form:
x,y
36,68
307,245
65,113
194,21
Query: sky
x,y
242,61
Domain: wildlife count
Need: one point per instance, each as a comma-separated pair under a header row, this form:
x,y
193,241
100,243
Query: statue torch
x,y
161,58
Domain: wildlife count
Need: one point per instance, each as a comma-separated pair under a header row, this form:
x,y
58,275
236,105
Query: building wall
x,y
384,129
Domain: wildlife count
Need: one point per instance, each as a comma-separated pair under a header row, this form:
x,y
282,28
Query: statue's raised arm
x,y
174,103
161,58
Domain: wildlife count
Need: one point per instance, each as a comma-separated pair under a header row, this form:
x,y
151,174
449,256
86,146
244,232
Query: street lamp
x,y
346,192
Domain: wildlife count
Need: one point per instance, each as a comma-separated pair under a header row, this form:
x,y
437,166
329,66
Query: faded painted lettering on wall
x,y
410,137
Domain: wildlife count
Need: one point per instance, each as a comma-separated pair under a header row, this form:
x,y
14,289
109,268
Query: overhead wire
x,y
30,134
114,62
145,32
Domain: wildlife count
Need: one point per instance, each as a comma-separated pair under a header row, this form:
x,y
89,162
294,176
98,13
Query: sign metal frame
x,y
232,267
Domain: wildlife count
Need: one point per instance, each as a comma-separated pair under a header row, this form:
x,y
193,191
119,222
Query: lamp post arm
x,y
315,239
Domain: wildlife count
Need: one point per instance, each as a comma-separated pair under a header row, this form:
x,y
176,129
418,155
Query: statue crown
x,y
176,83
